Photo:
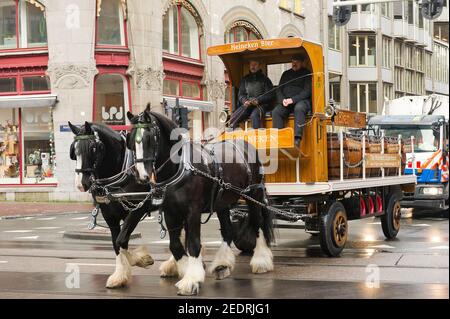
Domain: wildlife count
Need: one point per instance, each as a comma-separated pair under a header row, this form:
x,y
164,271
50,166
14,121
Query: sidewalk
x,y
30,209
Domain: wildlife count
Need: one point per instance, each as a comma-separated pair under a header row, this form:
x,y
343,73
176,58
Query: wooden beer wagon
x,y
340,173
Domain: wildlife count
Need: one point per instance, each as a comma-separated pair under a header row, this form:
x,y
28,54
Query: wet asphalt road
x,y
34,258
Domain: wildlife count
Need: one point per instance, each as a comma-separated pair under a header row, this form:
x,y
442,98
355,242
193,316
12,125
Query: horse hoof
x,y
222,272
192,292
145,261
168,268
186,288
259,270
262,268
116,281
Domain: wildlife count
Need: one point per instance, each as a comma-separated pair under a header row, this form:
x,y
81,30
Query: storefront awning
x,y
27,101
191,105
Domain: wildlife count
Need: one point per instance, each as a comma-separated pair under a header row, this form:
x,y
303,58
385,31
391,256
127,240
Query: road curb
x,y
42,214
100,234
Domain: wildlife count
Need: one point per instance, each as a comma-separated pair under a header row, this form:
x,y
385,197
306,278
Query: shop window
x,y
38,146
181,33
9,147
8,85
111,99
35,83
110,24
23,30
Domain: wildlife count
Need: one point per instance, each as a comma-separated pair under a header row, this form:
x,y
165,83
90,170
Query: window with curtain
x,y
181,33
182,88
428,70
398,55
388,91
409,57
385,9
387,52
410,8
110,24
363,97
36,26
26,29
399,80
335,87
362,50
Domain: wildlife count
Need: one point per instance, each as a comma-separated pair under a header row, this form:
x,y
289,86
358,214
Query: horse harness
x,y
98,148
101,188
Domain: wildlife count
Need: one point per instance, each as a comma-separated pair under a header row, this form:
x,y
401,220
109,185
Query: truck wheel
x,y
390,221
333,230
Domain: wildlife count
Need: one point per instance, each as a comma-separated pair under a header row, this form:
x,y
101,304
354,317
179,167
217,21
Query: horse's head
x,y
88,151
144,139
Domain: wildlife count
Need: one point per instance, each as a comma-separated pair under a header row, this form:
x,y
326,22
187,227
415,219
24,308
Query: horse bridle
x,y
152,126
97,148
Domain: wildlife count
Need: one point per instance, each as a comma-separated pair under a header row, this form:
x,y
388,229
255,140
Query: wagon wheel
x,y
390,221
333,230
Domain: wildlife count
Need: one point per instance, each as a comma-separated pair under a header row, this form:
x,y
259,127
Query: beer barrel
x,y
352,156
373,146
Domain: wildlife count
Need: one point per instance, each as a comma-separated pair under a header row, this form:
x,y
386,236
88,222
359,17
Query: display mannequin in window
x,y
254,97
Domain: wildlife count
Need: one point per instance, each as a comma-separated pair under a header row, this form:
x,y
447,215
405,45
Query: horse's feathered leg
x,y
195,273
262,260
140,256
174,224
224,261
169,268
122,273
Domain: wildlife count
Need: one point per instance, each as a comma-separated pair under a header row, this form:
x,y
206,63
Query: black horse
x,y
100,154
190,191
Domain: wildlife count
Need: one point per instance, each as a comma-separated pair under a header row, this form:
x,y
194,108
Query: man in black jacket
x,y
254,97
294,95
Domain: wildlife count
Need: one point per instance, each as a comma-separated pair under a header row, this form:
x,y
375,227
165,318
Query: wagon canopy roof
x,y
255,45
236,55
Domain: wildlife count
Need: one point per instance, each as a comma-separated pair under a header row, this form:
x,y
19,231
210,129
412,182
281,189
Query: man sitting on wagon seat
x,y
294,95
254,97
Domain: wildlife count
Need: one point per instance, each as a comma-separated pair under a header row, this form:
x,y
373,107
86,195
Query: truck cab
x,y
423,122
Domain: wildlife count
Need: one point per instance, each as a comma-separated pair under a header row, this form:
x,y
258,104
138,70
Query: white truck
x,y
425,120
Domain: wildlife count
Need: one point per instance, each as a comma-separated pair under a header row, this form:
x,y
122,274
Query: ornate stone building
x,y
93,60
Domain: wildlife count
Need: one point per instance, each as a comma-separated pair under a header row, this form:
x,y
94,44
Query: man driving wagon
x,y
293,95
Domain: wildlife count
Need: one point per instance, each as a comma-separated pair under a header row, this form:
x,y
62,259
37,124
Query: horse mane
x,y
107,132
166,124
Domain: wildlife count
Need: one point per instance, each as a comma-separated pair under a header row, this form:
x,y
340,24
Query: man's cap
x,y
298,57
